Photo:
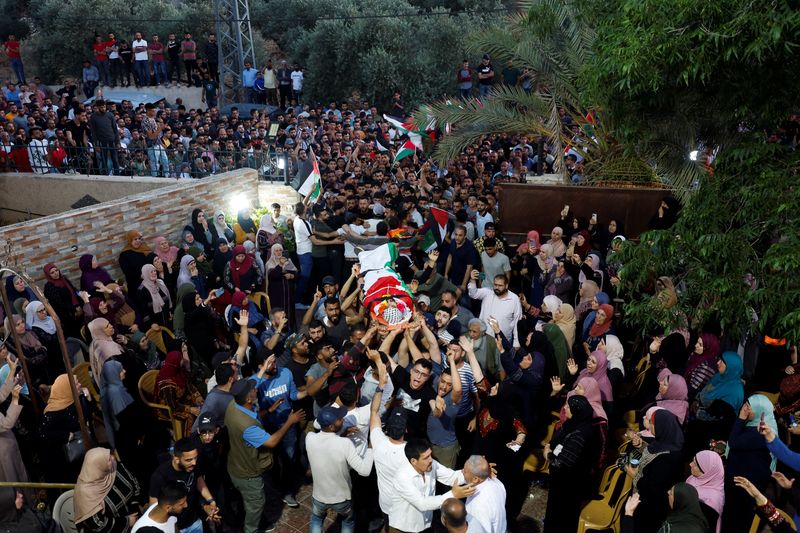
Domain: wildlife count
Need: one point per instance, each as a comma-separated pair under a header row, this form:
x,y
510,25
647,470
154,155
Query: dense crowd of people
x,y
235,362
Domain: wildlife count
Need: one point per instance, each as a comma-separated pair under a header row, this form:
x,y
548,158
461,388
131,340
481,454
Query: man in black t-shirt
x,y
413,388
77,131
181,468
485,76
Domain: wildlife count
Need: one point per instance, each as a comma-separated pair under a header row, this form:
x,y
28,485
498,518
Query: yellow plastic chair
x,y
536,461
163,412
757,519
261,299
604,513
159,338
83,374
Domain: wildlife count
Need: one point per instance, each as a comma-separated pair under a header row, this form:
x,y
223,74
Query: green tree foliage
x,y
721,72
12,21
66,28
374,55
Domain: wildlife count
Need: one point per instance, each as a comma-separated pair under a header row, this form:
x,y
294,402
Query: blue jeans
x,y
142,70
160,69
157,155
19,71
466,94
319,510
485,90
306,264
197,527
105,73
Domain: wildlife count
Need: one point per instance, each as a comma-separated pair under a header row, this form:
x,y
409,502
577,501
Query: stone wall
x,y
24,196
100,229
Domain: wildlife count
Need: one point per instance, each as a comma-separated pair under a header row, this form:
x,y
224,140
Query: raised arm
x,y
466,345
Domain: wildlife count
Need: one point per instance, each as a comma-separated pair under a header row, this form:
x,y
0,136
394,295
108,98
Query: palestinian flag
x,y
388,299
410,128
408,148
436,229
312,187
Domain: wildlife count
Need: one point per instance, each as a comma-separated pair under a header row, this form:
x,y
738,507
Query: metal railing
x,y
173,161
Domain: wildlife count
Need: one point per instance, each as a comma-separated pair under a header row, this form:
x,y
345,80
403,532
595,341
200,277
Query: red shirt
x,y
12,50
100,51
156,51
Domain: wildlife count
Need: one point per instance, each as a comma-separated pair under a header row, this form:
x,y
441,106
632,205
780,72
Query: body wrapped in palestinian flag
x,y
386,297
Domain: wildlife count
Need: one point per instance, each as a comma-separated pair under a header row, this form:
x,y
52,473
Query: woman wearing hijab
x,y
146,351
606,235
557,242
540,268
222,227
660,467
119,413
93,277
222,257
111,307
266,237
35,353
245,228
64,300
178,320
169,277
560,283
200,325
564,318
166,252
708,477
103,347
589,289
667,214
717,404
596,367
580,245
190,274
748,456
526,250
588,388
685,514
242,273
204,268
173,388
672,394
666,296
39,321
590,269
132,259
281,279
155,304
189,241
12,467
58,426
16,289
571,457
599,299
612,347
602,325
106,496
204,233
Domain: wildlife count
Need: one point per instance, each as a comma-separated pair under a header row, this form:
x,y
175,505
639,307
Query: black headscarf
x,y
189,303
686,515
667,431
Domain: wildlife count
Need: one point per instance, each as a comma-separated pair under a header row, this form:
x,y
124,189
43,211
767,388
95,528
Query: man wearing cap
x,y
208,440
330,289
331,457
250,457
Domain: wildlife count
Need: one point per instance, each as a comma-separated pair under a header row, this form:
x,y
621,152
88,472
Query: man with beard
x,y
181,469
276,392
483,216
461,260
459,313
321,372
498,304
162,515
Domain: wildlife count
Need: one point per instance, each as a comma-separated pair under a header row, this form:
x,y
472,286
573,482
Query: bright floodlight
x,y
281,162
693,155
238,202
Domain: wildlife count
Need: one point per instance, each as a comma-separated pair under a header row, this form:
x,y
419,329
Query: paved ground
x,y
297,520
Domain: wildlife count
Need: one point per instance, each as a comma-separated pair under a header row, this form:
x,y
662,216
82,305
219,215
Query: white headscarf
x,y
184,276
553,303
32,319
267,225
222,228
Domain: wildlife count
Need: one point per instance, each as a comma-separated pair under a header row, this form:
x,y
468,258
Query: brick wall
x,y
100,229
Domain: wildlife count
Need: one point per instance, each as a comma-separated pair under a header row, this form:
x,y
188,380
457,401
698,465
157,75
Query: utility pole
x,y
235,45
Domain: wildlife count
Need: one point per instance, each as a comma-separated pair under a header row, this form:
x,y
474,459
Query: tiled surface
x,y
297,520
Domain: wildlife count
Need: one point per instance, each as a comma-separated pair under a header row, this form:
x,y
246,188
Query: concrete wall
x,y
191,96
26,196
100,229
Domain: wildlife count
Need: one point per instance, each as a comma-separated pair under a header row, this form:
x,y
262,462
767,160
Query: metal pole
x,y
32,485
64,354
18,345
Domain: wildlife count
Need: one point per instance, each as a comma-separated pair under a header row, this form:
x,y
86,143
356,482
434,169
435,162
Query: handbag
x,y
74,449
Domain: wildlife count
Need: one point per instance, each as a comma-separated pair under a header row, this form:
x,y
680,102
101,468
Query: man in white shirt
x,y
302,239
163,515
37,152
297,84
488,505
498,303
331,457
388,448
414,497
141,66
